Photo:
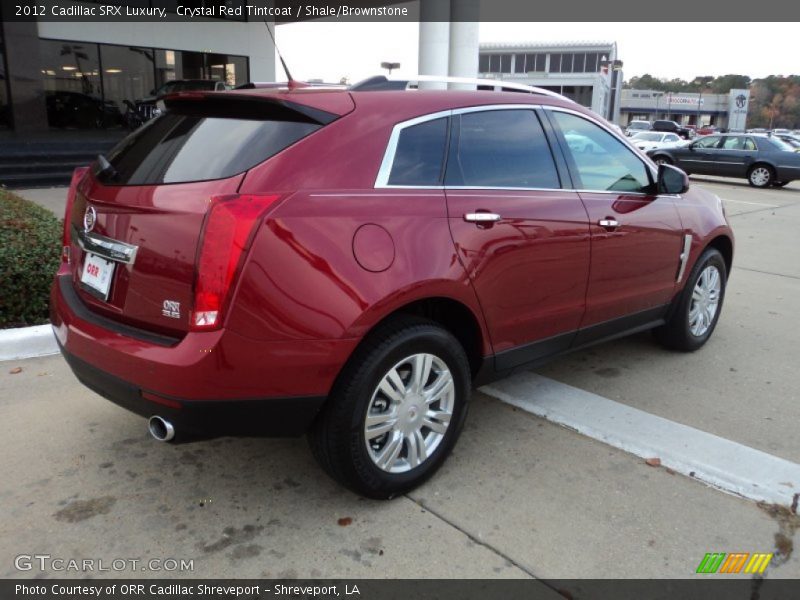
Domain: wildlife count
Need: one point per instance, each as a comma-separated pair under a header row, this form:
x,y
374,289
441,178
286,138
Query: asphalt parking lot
x,y
520,497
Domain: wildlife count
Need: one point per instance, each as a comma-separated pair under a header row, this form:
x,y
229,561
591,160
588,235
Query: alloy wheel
x,y
705,301
409,413
760,176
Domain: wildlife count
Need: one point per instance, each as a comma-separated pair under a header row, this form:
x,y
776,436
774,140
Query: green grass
x,y
30,251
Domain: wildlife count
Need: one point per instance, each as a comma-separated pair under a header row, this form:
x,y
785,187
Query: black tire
x,y
676,334
337,437
762,182
661,159
780,183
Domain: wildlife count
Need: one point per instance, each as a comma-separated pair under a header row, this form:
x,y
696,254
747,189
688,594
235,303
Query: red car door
x,y
523,240
637,236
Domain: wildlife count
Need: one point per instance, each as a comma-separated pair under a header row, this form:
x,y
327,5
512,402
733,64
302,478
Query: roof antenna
x,y
291,83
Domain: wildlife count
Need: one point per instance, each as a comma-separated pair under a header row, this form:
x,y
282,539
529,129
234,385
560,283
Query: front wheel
x,y
396,410
696,314
760,176
662,160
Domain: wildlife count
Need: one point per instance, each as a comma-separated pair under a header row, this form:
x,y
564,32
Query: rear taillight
x,y
228,231
77,176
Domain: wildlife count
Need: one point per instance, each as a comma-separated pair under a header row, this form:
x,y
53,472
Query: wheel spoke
x,y
390,451
393,387
421,371
437,420
440,387
379,423
417,452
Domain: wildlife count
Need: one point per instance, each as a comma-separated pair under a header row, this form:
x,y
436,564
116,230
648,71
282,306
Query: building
x,y
726,111
44,64
587,72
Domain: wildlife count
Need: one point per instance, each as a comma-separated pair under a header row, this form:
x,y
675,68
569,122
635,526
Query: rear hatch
x,y
139,218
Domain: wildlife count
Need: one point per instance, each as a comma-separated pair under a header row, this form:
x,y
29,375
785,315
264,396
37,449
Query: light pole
x,y
658,98
390,66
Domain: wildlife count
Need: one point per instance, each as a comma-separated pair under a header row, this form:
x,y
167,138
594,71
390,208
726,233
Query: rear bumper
x,y
204,418
210,383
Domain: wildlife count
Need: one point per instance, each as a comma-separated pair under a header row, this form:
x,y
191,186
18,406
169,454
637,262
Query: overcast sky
x,y
333,50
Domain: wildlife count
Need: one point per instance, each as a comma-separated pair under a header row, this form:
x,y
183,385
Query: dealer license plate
x,y
97,274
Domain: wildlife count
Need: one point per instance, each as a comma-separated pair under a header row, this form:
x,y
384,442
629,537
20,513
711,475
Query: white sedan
x,y
651,140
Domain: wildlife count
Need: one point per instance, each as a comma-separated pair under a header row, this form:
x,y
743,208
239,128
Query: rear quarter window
x,y
185,146
419,157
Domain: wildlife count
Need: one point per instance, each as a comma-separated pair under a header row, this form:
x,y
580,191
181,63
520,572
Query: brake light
x,y
228,232
77,176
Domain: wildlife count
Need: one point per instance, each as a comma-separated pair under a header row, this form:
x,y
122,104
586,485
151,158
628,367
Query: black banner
x,y
287,11
405,589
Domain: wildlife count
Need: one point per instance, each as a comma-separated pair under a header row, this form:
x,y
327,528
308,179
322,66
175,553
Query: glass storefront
x,y
5,108
91,86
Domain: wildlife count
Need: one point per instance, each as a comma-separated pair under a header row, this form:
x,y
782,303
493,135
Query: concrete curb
x,y
27,342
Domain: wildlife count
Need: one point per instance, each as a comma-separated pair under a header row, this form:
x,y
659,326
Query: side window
x,y
707,142
732,143
749,144
502,148
602,161
419,157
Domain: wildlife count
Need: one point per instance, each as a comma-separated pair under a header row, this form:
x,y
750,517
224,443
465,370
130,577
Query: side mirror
x,y
671,180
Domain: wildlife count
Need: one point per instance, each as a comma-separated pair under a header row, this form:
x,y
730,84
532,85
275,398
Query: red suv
x,y
349,264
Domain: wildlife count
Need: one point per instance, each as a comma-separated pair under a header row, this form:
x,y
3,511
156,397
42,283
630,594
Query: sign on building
x,y
738,103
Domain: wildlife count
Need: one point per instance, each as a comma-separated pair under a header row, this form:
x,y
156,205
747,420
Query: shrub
x,y
30,251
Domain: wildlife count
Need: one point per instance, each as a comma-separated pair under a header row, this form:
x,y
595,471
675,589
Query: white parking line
x,y
719,462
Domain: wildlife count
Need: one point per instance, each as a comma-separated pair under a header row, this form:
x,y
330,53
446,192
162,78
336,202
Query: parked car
x,y
707,130
763,161
81,111
791,140
147,107
349,264
650,140
637,126
671,126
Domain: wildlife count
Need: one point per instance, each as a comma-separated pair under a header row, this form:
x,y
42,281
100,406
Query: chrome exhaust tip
x,y
161,429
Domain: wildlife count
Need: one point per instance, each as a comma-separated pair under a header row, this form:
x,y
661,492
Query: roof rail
x,y
382,82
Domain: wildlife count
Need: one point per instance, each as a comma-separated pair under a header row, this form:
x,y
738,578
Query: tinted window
x,y
602,161
176,147
420,154
502,148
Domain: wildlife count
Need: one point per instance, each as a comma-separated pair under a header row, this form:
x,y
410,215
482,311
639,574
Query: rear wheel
x,y
695,316
761,176
396,411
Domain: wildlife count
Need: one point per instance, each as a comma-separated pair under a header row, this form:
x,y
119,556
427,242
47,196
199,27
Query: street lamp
x,y
658,98
390,66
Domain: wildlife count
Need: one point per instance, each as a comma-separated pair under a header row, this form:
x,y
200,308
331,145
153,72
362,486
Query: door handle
x,y
482,217
608,223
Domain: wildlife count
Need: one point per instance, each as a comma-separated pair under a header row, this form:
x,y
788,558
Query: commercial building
x,y
728,111
94,69
587,72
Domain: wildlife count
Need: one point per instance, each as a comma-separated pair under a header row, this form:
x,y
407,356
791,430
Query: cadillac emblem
x,y
89,219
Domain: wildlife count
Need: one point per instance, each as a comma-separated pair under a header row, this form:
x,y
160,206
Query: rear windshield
x,y
184,146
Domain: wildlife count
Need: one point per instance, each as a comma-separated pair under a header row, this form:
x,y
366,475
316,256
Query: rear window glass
x,y
420,154
182,147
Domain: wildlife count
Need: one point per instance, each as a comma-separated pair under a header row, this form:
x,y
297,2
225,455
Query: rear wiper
x,y
105,168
